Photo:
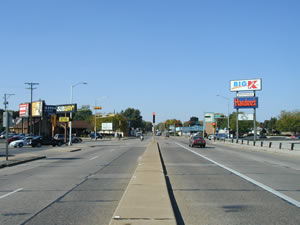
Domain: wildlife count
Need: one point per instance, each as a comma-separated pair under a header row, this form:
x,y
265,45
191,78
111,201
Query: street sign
x,y
97,107
248,116
64,119
66,108
245,94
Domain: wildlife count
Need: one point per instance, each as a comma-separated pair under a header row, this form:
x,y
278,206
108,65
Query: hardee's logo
x,y
246,102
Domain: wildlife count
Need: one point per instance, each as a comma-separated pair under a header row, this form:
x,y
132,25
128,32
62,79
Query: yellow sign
x,y
64,119
97,107
37,108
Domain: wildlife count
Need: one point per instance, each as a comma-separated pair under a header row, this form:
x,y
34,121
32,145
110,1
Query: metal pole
x,y
95,121
70,123
6,123
255,128
228,121
237,125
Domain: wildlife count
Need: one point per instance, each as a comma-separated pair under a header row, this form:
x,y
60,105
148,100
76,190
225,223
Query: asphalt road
x,y
81,187
209,185
206,192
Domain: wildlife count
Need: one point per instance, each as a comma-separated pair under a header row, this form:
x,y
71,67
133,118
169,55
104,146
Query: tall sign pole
x,y
153,121
254,125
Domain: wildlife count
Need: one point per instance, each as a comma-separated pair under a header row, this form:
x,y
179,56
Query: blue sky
x,y
165,56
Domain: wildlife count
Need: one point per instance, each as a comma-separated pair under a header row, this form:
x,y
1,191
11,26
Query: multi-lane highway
x,y
219,184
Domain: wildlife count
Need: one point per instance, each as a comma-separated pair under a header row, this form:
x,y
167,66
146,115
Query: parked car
x,y
210,137
221,136
20,143
39,141
14,138
61,137
98,135
197,141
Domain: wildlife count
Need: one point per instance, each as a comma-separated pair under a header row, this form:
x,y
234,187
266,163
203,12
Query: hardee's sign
x,y
248,102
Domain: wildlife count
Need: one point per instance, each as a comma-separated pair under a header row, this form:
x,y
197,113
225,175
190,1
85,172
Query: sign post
x,y
245,100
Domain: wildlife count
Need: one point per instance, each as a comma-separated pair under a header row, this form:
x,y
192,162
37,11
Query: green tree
x,y
83,114
270,125
134,116
147,126
289,121
193,120
244,126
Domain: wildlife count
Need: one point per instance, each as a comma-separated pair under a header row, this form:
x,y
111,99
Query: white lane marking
x,y
112,150
94,158
10,193
265,187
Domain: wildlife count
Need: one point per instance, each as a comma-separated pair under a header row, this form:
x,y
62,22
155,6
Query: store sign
x,y
24,110
247,102
209,117
248,116
63,119
66,108
107,126
49,110
37,108
246,85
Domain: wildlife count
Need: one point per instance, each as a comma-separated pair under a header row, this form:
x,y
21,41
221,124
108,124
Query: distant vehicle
x,y
39,141
158,133
197,141
295,137
61,137
221,136
138,134
98,135
20,143
210,137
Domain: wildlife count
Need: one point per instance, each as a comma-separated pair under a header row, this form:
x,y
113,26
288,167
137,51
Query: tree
x,y
134,116
270,125
289,121
244,126
83,114
147,126
193,120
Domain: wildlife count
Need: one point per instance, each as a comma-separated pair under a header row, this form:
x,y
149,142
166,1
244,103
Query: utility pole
x,y
6,122
31,88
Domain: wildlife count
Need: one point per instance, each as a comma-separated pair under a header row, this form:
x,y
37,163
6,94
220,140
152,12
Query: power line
x,y
31,88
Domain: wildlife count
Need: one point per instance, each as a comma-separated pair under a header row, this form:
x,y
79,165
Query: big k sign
x,y
246,85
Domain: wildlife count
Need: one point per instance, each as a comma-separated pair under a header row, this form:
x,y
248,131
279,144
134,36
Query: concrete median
x,y
146,199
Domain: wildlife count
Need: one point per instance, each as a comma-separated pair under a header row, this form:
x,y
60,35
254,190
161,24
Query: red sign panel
x,y
24,110
250,102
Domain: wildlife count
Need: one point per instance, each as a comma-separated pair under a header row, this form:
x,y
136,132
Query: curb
x,y
11,163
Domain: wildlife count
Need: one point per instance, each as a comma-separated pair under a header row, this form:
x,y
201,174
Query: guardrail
x,y
265,144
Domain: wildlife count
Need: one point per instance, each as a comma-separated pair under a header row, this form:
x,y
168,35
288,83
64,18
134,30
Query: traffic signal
x,y
153,117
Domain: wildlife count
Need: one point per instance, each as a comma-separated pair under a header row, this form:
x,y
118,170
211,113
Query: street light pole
x,y
227,113
6,122
71,102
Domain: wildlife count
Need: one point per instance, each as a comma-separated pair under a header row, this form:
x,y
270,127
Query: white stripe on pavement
x,y
10,193
265,187
94,158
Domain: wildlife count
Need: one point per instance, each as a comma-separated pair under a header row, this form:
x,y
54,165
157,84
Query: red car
x,y
197,141
13,138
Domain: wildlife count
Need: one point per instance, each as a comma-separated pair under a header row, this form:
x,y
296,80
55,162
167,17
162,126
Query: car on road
x,y
20,143
61,137
39,141
197,141
98,135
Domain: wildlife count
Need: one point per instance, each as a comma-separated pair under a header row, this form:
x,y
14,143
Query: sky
x,y
170,57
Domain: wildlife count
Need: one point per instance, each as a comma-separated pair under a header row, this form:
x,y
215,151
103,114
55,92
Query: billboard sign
x,y
49,110
66,108
24,110
246,85
248,116
107,126
37,108
245,94
64,119
246,102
